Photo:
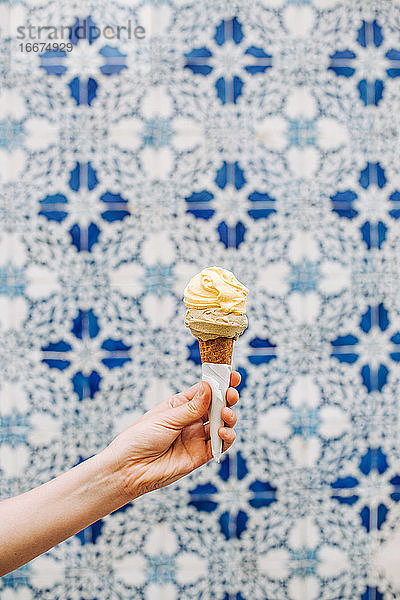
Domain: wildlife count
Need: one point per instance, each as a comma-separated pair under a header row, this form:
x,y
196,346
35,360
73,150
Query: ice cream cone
x,y
218,350
216,316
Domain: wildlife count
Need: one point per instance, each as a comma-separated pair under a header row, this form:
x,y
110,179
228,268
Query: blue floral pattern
x,y
260,136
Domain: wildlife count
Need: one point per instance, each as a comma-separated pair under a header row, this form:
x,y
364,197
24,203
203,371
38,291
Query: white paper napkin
x,y
218,376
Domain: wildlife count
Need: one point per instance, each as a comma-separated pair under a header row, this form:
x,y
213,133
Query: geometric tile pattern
x,y
261,136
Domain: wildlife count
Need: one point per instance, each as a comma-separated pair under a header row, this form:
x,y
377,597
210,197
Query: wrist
x,y
120,476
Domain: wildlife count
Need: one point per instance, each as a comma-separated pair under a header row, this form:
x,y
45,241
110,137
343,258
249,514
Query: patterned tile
x,y
262,136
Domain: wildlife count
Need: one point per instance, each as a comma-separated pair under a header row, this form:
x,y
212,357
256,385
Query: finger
x,y
229,416
235,378
175,400
228,436
180,416
232,396
186,396
190,392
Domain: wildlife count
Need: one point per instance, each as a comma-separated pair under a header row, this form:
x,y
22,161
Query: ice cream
x,y
216,316
212,323
216,305
216,287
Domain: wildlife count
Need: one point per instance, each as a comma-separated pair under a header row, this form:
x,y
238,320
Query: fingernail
x,y
201,390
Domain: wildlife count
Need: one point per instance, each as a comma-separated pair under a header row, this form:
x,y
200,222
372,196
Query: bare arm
x,y
167,443
39,519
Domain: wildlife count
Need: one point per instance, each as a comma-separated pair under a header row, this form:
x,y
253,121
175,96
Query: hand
x,y
171,440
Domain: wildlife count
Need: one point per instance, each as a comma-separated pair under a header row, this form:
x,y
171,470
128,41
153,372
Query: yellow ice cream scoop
x,y
216,312
216,287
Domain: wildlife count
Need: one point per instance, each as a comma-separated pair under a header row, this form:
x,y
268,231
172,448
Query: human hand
x,y
171,440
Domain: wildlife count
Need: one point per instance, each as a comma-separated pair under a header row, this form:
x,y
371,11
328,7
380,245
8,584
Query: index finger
x,y
235,379
189,393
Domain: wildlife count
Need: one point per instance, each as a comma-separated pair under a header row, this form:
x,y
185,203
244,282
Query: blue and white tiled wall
x,y
258,135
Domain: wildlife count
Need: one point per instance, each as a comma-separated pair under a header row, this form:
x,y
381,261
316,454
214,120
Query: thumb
x,y
191,411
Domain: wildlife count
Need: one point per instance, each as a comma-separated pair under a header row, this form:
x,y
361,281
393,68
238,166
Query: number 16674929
x,y
46,47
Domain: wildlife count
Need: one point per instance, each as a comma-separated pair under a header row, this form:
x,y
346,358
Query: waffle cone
x,y
218,351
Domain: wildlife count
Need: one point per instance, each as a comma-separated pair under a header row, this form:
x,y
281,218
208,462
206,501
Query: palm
x,y
170,451
192,446
161,447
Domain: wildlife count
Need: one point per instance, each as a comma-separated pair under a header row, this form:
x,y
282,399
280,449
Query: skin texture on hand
x,y
168,442
172,439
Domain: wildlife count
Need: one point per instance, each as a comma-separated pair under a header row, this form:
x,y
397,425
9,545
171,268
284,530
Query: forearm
x,y
39,519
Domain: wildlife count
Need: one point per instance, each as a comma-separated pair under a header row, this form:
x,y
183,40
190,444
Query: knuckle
x,y
191,407
173,401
